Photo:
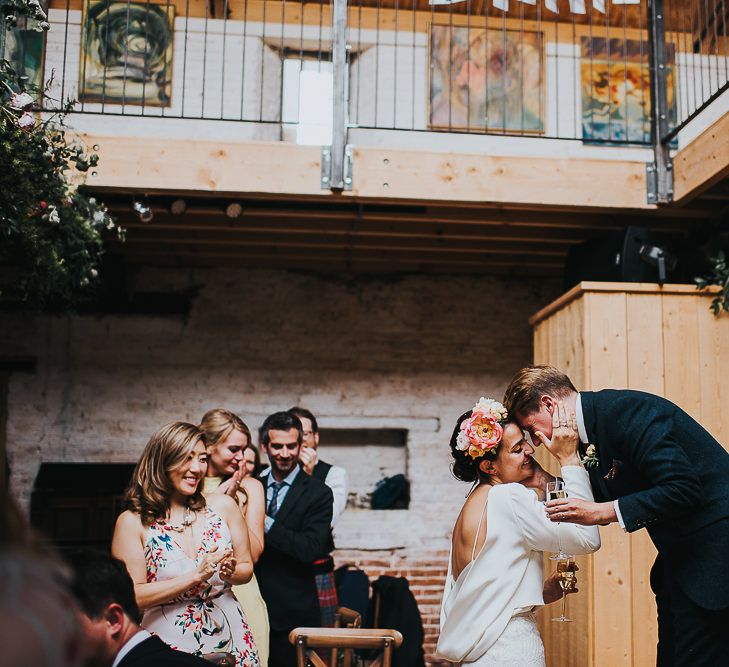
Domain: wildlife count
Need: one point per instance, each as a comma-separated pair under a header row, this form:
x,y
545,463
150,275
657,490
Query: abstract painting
x,y
486,79
126,53
616,92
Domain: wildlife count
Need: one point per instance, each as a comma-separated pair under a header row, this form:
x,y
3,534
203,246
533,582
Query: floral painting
x,y
486,79
126,53
616,93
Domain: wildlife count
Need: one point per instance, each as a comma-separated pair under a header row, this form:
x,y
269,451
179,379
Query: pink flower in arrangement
x,y
483,430
20,101
26,121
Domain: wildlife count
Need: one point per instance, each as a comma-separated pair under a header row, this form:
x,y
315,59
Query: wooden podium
x,y
663,340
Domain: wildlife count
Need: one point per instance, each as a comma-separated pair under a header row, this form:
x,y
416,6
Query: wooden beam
x,y
193,166
704,162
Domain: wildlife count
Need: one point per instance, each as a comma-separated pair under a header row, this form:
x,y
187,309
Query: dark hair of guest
x,y
98,580
280,421
305,414
257,467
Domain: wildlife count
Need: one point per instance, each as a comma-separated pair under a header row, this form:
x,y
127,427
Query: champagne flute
x,y
556,489
566,574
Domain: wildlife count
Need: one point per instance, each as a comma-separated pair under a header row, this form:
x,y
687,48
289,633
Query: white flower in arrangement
x,y
490,406
26,121
462,442
19,101
94,273
99,217
53,216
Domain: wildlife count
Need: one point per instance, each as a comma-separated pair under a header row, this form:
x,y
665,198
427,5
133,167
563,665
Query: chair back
x,y
307,640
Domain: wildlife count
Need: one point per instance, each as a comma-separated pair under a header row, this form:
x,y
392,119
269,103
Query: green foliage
x,y
719,276
50,232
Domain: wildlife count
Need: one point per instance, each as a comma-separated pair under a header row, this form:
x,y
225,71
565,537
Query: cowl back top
x,y
505,577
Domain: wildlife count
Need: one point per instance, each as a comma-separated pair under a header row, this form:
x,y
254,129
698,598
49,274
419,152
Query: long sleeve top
x,y
506,576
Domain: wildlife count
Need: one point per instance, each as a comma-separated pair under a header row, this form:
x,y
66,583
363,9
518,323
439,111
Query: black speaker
x,y
630,255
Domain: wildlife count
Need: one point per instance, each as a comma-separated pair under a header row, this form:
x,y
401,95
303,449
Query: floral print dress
x,y
206,618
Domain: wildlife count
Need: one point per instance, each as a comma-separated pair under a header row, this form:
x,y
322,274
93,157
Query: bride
x,y
495,576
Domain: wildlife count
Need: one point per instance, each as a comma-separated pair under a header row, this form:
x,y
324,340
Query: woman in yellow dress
x,y
230,452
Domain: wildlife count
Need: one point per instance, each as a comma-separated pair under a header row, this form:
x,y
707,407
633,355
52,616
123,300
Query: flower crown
x,y
481,433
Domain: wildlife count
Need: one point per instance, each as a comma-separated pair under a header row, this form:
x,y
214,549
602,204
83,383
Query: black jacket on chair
x,y
298,537
153,652
672,478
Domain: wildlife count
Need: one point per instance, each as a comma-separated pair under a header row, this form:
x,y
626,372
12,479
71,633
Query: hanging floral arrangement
x,y
50,231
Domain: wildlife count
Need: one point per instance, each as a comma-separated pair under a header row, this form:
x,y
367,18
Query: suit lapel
x,y
596,473
294,493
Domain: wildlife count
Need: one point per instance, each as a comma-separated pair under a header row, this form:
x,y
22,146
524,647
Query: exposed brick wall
x,y
408,352
425,570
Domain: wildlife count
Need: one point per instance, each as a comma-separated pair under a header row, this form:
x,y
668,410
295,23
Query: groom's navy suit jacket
x,y
672,478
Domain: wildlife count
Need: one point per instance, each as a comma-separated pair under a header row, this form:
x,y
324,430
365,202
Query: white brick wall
x,y
410,352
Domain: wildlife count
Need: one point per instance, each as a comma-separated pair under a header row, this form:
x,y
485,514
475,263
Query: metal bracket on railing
x,y
660,172
659,183
327,178
348,166
326,166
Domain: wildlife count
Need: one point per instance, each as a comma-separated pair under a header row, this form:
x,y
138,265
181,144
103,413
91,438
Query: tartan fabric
x,y
328,603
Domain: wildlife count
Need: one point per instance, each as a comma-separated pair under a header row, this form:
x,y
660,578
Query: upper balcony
x,y
563,106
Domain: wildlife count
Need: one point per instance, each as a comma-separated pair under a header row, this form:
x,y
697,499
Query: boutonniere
x,y
590,460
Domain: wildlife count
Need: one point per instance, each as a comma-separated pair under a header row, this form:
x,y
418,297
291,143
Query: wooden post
x,y
663,340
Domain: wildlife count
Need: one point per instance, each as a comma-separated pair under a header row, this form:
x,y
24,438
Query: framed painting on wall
x,y
486,79
24,50
126,53
616,92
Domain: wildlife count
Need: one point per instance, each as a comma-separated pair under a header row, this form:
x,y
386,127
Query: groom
x,y
651,466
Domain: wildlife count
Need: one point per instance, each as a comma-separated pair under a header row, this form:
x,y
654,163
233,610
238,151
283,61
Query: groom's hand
x,y
583,512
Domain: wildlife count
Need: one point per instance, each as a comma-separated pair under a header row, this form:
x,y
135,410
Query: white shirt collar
x,y
581,430
288,480
135,640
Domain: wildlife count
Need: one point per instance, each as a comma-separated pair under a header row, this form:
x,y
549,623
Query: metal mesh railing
x,y
559,69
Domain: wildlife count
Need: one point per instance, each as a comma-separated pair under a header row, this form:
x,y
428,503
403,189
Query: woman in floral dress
x,y
184,553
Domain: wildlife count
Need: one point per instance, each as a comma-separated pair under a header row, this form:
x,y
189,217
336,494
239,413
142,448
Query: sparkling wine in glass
x,y
556,490
567,577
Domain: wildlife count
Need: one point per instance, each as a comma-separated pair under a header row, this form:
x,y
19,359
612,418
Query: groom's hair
x,y
530,384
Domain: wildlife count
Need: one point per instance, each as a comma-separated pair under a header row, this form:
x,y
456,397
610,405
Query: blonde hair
x,y
530,384
217,424
149,492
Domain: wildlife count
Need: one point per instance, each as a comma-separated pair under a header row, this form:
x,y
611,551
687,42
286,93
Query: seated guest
x,y
184,553
110,618
230,454
336,479
297,525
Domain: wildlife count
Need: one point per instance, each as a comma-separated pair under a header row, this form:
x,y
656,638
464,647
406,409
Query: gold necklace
x,y
188,518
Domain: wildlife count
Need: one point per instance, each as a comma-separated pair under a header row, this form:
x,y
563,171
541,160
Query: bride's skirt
x,y
519,645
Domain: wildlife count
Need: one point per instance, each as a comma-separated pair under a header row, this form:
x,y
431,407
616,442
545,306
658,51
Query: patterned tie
x,y
273,503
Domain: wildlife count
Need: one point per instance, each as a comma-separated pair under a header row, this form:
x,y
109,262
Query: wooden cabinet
x,y
663,340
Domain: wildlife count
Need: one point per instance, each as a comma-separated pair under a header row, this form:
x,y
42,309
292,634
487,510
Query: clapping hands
x,y
218,561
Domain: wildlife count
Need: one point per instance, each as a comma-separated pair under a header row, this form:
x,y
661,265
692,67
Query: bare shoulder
x,y
252,486
128,519
223,504
129,523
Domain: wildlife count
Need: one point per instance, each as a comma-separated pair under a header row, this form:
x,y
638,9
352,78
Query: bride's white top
x,y
506,576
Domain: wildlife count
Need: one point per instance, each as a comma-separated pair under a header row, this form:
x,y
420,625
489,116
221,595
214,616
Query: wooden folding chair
x,y
344,618
307,640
